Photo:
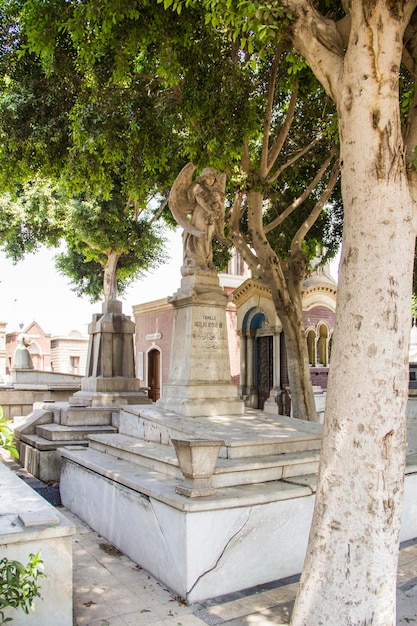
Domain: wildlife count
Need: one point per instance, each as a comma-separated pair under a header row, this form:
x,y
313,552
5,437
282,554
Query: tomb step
x,y
40,443
266,448
149,454
228,472
252,470
85,416
92,399
150,483
58,432
254,434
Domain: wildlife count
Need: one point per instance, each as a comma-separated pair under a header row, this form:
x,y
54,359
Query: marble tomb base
x,y
253,529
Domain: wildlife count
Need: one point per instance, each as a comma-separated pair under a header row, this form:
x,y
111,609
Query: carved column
x,y
274,402
252,398
243,370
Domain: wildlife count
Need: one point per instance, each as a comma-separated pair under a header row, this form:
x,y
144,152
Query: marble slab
x,y
28,525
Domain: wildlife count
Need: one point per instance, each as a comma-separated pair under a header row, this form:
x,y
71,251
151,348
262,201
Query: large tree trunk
x,y
349,575
299,377
286,294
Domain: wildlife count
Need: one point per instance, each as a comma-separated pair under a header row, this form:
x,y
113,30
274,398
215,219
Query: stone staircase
x,y
257,448
51,426
229,472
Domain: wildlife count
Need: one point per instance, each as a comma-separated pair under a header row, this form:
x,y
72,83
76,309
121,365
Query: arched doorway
x,y
260,333
264,368
259,358
154,374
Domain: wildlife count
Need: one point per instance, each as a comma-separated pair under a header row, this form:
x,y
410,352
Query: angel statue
x,y
198,206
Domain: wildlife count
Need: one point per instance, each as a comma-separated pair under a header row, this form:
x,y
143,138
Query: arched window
x,y
311,346
322,344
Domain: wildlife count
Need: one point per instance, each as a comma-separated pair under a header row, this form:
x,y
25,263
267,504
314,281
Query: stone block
x,y
199,548
81,416
43,461
26,425
29,524
59,433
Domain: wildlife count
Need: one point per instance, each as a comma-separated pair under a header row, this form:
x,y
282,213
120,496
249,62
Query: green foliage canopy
x,y
103,147
112,100
92,228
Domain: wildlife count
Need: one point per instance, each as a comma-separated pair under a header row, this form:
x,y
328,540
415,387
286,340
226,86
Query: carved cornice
x,y
149,307
320,288
252,287
248,289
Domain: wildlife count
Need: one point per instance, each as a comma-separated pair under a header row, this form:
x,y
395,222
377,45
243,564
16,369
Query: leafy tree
x,y
355,50
233,107
101,236
277,220
104,147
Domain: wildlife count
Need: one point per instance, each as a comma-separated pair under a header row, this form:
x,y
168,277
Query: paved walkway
x,y
111,590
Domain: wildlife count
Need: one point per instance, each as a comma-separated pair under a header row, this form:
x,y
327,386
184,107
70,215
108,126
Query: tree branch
x,y
283,133
268,112
319,41
298,201
294,158
159,211
236,236
318,207
410,46
245,158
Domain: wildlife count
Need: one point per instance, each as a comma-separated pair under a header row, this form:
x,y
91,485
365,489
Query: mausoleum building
x,y
257,352
66,354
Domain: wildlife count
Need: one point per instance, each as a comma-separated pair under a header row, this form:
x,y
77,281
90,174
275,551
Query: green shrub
x,y
6,436
19,584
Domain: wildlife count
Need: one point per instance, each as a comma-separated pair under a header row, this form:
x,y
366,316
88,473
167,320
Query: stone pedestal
x,y
197,459
199,380
110,372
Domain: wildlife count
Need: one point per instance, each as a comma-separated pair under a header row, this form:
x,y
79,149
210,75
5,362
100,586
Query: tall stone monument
x,y
199,380
110,372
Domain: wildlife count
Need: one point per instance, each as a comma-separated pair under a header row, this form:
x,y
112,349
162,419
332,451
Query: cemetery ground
x,y
111,590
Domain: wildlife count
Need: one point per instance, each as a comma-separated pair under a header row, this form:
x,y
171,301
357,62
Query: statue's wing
x,y
221,182
178,201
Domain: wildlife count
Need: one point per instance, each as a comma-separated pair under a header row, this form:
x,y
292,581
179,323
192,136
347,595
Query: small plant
x,y
19,584
6,436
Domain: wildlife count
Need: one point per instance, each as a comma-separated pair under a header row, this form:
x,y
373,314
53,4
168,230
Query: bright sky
x,y
33,290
